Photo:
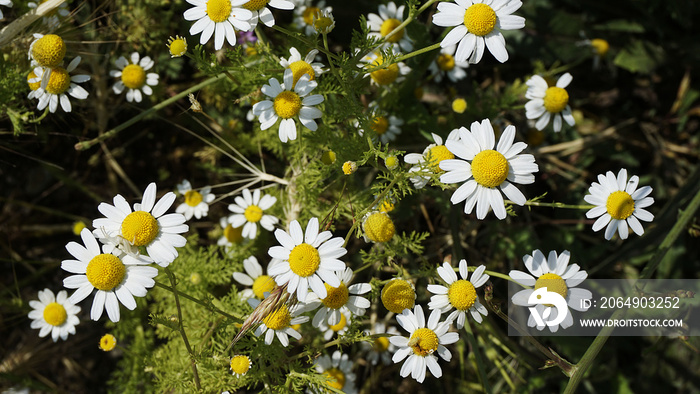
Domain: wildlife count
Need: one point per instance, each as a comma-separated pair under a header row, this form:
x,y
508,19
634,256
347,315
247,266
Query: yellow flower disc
x,y
177,46
341,324
388,26
336,378
600,46
299,68
108,342
49,50
55,314
304,260
489,168
33,85
462,294
337,296
391,162
424,341
140,228
218,10
59,81
620,205
380,124
309,13
287,104
435,155
555,99
459,105
240,364
349,167
255,5
553,283
328,157
263,284
381,344
253,213
445,62
233,235
105,272
378,227
193,198
278,319
398,295
480,19
384,76
78,227
133,76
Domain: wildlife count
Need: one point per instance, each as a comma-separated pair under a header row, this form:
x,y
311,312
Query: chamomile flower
x,y
548,101
52,18
300,67
54,314
484,170
240,365
6,3
218,18
255,278
147,225
324,23
117,278
338,370
446,65
249,210
377,227
288,103
305,15
338,299
262,12
459,294
554,273
478,25
60,84
423,341
398,294
389,18
47,51
619,203
381,348
339,328
278,323
308,259
429,160
388,74
387,127
177,46
132,76
232,235
196,202
107,343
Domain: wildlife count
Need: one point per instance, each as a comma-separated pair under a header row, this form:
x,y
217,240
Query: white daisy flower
x,y
547,102
460,294
232,235
47,51
147,225
263,13
387,127
430,159
381,348
308,259
557,276
249,210
52,18
619,203
196,202
255,278
395,72
60,84
132,76
389,18
446,65
240,365
423,341
484,170
287,104
218,18
339,298
54,314
278,323
6,3
305,15
338,370
478,25
300,67
339,328
117,278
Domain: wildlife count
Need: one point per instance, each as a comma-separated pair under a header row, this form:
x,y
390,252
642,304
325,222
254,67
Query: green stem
x,y
417,52
555,205
306,41
477,355
200,302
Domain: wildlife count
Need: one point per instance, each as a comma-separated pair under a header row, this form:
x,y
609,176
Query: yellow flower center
x,y
387,205
193,198
600,46
328,157
336,378
253,213
390,162
55,314
133,76
424,341
445,62
380,124
462,294
378,227
240,364
108,342
381,344
323,24
33,85
349,167
398,295
435,155
177,46
459,105
489,168
140,228
78,227
620,205
299,68
287,104
555,99
309,13
480,19
59,81
233,235
553,283
337,296
388,26
49,51
105,271
341,324
218,10
304,260
384,76
278,319
255,5
263,284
